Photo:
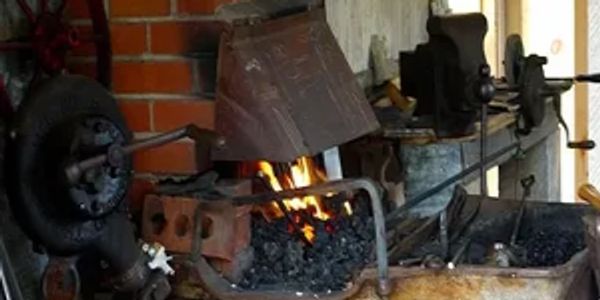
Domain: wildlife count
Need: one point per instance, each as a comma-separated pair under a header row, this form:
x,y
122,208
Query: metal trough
x,y
572,280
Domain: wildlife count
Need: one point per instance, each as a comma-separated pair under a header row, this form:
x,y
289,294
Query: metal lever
x,y
116,153
584,145
593,78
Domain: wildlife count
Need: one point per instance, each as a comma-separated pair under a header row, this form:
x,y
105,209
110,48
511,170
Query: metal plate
x,y
285,90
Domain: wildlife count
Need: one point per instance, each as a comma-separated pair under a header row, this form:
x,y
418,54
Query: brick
x,y
199,6
173,114
152,77
137,114
77,9
140,8
128,39
174,158
186,37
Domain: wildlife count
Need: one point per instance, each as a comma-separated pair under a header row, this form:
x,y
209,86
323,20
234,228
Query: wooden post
x,y
581,90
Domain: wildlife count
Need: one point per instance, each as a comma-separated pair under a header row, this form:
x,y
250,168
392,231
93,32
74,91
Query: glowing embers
x,y
301,210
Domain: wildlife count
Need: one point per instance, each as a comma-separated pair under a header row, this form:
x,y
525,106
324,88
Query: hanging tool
x,y
527,183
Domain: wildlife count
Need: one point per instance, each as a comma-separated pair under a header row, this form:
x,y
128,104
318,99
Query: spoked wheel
x,y
51,38
65,119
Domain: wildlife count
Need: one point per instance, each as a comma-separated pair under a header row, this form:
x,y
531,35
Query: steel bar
x,y
401,211
75,170
339,186
483,151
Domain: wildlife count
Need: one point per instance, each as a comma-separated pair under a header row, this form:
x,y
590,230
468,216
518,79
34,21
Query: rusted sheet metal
x,y
285,90
572,280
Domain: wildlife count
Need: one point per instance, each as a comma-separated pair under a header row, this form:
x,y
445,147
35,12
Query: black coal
x,y
342,247
552,247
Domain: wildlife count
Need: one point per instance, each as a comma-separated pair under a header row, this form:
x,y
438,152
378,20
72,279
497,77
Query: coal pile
x,y
554,247
341,249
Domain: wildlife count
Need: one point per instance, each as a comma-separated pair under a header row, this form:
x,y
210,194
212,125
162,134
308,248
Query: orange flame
x,y
302,173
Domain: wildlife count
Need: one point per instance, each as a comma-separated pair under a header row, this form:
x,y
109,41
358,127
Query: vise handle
x,y
590,194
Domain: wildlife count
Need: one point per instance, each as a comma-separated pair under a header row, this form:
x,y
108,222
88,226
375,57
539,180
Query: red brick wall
x,y
157,83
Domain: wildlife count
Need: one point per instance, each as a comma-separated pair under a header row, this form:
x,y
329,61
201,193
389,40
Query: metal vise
x,y
444,74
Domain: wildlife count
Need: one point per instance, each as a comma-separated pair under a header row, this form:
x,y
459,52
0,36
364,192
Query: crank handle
x,y
582,145
590,194
593,78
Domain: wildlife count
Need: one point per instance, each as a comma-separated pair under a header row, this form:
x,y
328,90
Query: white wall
x,y
353,22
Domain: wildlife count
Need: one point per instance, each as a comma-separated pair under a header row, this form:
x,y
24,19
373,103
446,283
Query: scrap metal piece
x,y
285,90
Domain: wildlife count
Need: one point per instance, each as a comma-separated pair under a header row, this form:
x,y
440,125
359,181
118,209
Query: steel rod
x,y
74,171
483,152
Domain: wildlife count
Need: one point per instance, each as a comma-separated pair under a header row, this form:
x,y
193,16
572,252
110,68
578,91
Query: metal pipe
x,y
365,184
74,171
483,151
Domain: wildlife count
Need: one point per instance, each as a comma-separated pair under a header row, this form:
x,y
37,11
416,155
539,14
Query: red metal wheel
x,y
51,38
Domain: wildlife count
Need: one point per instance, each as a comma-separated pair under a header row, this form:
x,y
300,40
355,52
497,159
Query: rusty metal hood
x,y
286,90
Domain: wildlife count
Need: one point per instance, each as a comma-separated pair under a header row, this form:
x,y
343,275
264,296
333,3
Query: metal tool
x,y
527,183
525,76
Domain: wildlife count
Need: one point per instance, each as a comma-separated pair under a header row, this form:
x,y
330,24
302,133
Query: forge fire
x,y
301,173
315,244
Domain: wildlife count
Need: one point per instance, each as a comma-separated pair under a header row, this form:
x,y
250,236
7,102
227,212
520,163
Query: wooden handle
x,y
590,194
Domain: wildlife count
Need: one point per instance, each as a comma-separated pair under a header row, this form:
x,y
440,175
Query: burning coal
x,y
301,173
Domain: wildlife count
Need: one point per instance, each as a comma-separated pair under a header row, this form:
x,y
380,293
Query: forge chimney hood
x,y
285,90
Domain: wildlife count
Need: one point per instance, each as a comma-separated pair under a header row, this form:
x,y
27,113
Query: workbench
x,y
428,161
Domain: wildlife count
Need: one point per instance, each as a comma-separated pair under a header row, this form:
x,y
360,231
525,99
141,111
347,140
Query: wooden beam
x,y
513,16
581,90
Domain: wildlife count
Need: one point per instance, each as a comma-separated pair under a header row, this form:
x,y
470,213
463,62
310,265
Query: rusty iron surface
x,y
569,281
572,280
286,90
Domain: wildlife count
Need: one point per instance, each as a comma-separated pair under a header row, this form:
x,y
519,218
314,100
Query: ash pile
x,y
339,250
